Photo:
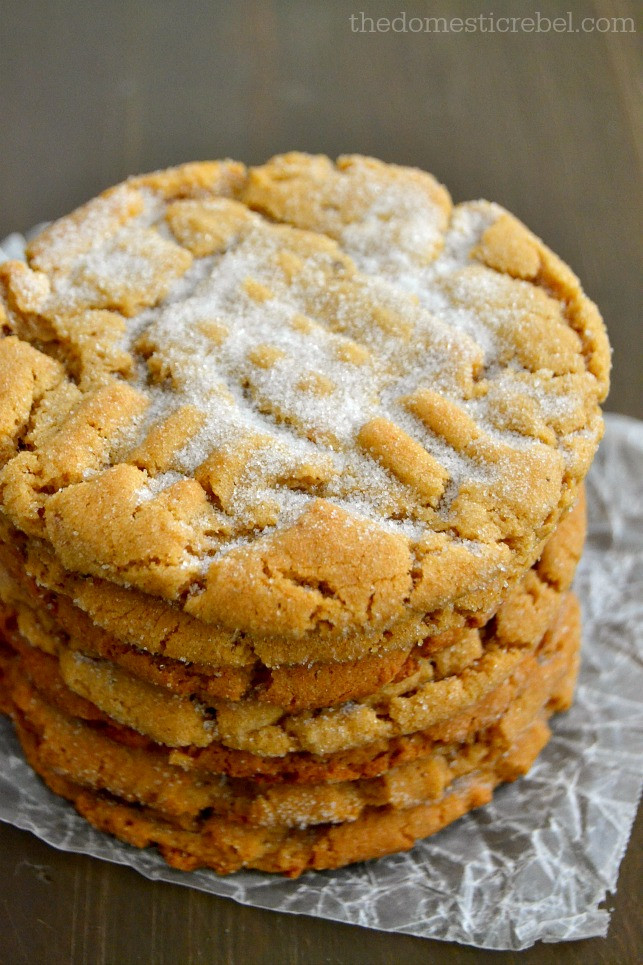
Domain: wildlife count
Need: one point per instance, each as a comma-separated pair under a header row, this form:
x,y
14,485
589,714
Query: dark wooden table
x,y
548,124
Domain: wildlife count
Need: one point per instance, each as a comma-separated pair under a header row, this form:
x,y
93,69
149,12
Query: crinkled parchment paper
x,y
536,863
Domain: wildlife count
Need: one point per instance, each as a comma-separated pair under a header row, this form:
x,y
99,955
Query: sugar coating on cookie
x,y
305,400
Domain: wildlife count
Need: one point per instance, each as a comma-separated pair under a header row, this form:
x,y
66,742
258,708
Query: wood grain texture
x,y
548,125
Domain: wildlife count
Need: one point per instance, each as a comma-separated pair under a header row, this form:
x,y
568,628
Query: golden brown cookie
x,y
226,845
527,687
310,402
136,792
53,623
151,624
291,466
84,756
442,685
523,689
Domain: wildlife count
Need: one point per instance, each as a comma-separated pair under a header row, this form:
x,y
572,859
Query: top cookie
x,y
306,400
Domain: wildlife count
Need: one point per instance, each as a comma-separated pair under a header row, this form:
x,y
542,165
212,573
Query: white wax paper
x,y
535,864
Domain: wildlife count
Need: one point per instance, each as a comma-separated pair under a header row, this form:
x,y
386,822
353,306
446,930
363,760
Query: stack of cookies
x,y
290,505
